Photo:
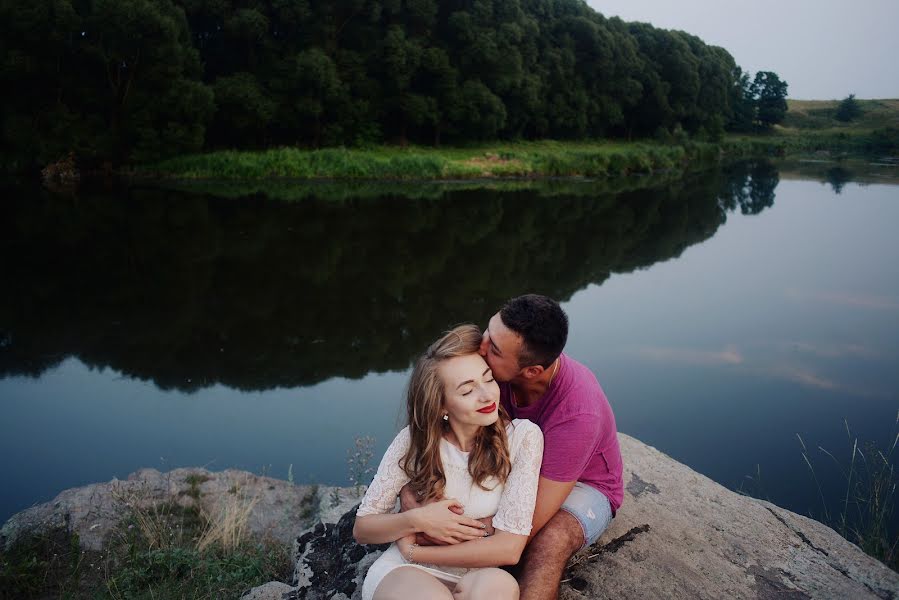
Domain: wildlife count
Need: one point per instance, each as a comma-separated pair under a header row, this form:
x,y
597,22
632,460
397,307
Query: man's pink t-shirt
x,y
579,433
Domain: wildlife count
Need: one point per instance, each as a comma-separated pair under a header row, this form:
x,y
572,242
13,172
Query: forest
x,y
116,82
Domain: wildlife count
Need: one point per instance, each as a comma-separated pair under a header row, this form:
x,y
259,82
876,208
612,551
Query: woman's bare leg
x,y
486,584
403,583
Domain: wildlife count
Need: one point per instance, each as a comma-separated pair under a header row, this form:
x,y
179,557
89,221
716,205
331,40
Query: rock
x,y
273,590
678,535
332,503
330,563
93,511
681,535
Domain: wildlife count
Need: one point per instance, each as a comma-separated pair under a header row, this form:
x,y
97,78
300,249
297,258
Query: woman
x,y
459,451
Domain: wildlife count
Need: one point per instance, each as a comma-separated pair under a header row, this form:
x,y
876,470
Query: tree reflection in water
x,y
189,290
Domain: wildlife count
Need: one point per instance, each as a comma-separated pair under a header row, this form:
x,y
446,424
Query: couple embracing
x,y
510,457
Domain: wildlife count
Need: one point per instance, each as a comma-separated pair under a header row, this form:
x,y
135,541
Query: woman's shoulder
x,y
523,425
522,429
402,440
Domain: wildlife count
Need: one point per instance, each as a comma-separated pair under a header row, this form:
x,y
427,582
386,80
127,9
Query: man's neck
x,y
528,392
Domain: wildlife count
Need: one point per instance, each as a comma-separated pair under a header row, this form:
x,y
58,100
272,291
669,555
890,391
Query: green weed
x,y
864,513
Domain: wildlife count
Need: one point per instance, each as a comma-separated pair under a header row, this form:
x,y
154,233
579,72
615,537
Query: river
x,y
727,314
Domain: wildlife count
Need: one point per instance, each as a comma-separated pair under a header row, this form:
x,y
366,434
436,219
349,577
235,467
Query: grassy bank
x,y
599,159
158,551
811,126
809,129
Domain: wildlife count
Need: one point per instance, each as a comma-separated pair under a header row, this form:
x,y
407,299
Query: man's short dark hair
x,y
541,323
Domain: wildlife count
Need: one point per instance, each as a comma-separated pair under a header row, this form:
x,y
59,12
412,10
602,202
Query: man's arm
x,y
550,496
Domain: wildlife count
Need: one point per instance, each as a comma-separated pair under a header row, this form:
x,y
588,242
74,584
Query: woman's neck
x,y
462,436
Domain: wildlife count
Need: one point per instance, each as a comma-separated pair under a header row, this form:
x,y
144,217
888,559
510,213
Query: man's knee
x,y
559,539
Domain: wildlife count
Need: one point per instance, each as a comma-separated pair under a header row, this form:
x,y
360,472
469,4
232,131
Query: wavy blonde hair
x,y
425,399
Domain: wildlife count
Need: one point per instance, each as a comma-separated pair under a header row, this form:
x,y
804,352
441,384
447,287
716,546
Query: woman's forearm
x,y
382,529
502,548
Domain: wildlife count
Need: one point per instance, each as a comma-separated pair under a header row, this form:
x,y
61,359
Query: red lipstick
x,y
488,409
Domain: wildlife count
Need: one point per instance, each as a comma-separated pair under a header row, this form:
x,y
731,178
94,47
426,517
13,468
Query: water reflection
x,y
761,329
189,290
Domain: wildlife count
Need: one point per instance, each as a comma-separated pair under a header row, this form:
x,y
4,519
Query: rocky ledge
x,y
678,535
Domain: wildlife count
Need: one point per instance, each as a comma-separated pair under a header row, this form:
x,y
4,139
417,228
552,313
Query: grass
x,y
547,158
864,513
308,503
808,128
158,551
820,115
228,527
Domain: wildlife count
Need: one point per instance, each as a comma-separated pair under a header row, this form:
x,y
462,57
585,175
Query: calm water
x,y
723,314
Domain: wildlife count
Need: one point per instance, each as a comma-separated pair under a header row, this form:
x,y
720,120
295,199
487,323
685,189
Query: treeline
x,y
137,80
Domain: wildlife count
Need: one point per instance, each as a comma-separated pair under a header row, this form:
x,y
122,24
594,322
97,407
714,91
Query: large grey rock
x,y
678,535
681,535
93,511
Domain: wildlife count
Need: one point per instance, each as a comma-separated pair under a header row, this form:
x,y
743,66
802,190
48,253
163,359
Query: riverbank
x,y
603,160
539,159
677,535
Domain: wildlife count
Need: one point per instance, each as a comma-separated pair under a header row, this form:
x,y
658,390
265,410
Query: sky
x,y
824,49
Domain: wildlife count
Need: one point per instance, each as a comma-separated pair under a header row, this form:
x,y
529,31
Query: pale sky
x,y
824,49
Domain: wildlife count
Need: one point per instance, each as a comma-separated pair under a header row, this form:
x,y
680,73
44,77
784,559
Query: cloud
x,y
804,377
772,366
850,299
689,356
829,350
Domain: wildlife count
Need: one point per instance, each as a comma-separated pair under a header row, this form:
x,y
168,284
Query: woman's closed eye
x,y
468,391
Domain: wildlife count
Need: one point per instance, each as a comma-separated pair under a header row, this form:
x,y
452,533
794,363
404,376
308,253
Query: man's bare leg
x,y
546,556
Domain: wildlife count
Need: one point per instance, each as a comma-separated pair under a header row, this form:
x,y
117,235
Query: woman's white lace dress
x,y
511,504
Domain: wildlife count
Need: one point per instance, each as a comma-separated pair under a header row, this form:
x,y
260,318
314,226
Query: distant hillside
x,y
819,115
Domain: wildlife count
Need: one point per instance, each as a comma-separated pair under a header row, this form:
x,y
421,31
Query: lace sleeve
x,y
380,498
516,507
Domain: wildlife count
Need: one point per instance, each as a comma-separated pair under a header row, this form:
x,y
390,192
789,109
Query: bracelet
x,y
411,552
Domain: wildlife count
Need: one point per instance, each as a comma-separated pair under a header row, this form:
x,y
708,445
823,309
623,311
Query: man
x,y
580,484
580,480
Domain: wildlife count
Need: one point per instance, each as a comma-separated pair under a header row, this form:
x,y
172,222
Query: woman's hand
x,y
439,521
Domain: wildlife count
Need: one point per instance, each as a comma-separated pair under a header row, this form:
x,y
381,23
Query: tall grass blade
x,y
820,492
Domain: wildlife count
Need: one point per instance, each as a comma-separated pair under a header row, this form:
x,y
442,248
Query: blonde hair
x,y
425,399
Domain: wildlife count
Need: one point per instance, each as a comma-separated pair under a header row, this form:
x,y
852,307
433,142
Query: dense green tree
x,y
111,80
316,88
771,98
135,80
742,102
848,109
37,45
244,110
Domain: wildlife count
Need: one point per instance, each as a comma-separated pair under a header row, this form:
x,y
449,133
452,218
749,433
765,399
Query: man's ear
x,y
532,372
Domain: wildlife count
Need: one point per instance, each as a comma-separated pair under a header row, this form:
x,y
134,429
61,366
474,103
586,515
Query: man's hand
x,y
488,525
408,499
